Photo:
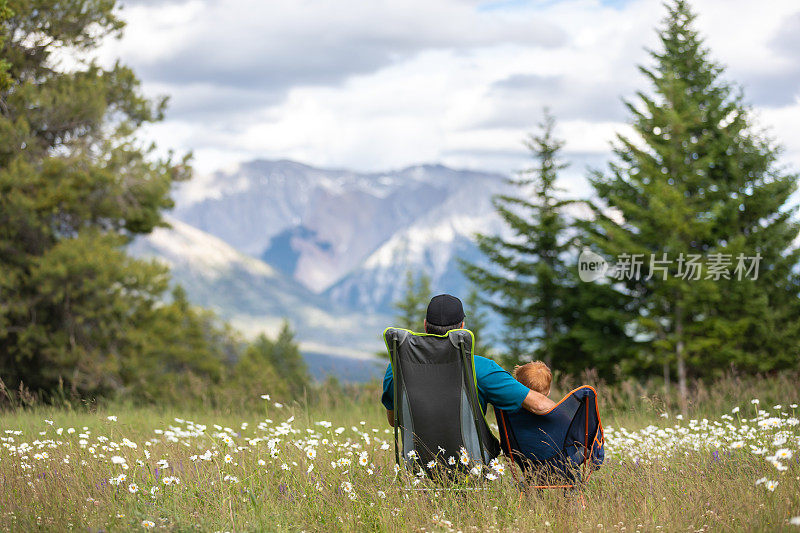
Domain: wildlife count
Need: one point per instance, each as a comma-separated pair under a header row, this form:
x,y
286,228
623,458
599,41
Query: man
x,y
495,385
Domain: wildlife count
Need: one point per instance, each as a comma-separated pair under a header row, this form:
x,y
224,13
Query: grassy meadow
x,y
729,464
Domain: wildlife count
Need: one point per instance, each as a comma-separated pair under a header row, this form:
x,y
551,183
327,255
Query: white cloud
x,y
376,85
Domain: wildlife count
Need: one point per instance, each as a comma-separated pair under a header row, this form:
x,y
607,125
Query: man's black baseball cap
x,y
444,310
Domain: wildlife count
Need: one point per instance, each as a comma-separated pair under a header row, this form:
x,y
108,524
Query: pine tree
x,y
75,187
5,14
289,362
524,282
413,304
274,367
698,180
477,321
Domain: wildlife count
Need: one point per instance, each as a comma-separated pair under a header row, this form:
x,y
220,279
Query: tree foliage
x,y
273,367
699,179
412,306
530,278
75,188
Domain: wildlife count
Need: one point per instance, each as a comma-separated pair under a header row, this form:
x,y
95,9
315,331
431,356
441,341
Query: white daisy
x,y
784,453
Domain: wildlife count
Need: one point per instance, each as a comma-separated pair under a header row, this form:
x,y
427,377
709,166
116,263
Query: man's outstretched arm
x,y
537,403
390,416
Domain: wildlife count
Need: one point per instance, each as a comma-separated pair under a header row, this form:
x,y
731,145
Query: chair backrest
x,y
558,441
437,411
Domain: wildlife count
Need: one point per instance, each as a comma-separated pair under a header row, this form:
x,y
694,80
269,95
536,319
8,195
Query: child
x,y
536,376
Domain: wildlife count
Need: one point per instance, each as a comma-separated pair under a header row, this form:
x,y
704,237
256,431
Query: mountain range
x,y
327,249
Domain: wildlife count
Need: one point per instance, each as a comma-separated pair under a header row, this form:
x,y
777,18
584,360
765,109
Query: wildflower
x,y
381,494
265,397
784,453
278,405
412,454
735,410
771,485
738,444
761,480
363,458
228,458
153,491
500,468
451,460
490,476
347,486
117,460
50,422
133,488
476,470
147,524
112,418
311,453
162,463
755,401
385,446
261,462
284,466
431,464
795,521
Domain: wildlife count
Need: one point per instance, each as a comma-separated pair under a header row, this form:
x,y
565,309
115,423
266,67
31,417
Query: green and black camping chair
x,y
437,415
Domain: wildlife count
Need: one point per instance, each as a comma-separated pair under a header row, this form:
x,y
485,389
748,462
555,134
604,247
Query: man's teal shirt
x,y
495,386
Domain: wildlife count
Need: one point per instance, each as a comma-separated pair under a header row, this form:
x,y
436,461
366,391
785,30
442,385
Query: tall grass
x,y
656,477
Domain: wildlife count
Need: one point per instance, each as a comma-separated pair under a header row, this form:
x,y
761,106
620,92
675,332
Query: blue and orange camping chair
x,y
551,448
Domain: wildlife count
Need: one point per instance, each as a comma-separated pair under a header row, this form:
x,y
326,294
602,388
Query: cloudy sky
x,y
382,84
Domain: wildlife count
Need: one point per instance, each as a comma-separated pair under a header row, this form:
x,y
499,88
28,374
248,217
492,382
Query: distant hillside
x,y
256,297
348,236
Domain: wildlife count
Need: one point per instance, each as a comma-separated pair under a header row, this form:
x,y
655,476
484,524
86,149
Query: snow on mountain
x,y
433,244
329,229
254,296
183,245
